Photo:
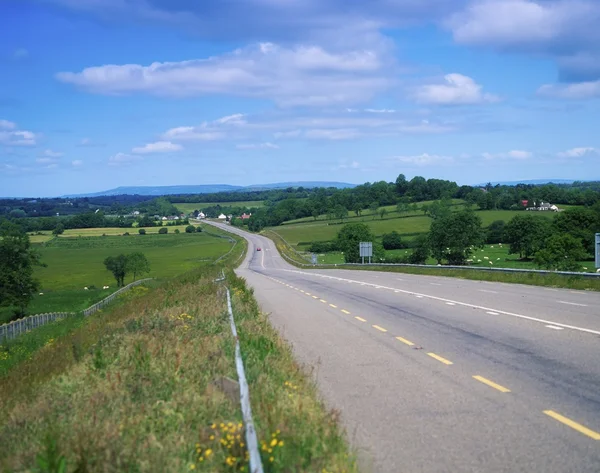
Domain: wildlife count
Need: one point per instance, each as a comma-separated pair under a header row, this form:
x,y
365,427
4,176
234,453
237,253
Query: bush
x,y
495,232
392,241
141,231
163,230
198,228
177,230
190,229
323,246
126,234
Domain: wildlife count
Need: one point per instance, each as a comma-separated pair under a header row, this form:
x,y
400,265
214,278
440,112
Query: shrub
x,y
163,230
392,241
142,231
177,230
322,246
126,234
190,229
198,228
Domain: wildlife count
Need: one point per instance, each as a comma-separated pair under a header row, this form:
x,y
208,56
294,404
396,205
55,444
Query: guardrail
x,y
17,327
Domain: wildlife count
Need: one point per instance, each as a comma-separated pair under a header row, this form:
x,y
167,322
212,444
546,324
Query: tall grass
x,y
138,388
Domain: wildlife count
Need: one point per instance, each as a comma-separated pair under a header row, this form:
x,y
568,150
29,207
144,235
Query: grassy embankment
x,y
187,207
136,388
548,280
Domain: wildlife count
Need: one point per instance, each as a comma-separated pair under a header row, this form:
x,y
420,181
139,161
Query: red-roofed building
x,y
245,216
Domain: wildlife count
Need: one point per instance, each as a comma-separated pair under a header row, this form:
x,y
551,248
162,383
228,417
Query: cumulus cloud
x,y
265,145
6,125
157,147
290,76
10,135
52,154
578,152
576,91
424,159
514,154
332,134
121,159
563,30
456,89
77,162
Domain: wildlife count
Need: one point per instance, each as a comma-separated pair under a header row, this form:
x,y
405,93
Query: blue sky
x,y
96,94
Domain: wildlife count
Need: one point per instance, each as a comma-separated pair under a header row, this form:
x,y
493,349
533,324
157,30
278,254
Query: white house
x,y
222,217
201,215
136,213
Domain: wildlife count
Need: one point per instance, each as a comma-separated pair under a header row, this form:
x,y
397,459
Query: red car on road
x,y
258,249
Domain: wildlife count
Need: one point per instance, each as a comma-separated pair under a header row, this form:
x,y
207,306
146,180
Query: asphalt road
x,y
436,374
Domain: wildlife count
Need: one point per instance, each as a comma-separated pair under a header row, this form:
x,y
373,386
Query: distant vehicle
x,y
258,249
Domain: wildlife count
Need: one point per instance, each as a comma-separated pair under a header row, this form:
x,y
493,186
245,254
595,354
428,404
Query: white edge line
x,y
465,304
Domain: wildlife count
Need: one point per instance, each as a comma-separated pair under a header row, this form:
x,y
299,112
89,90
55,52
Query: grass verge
x,y
139,388
532,279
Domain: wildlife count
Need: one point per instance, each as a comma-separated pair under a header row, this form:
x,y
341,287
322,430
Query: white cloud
x,y
17,138
157,147
298,75
351,165
331,134
77,162
120,159
457,90
45,160
52,154
514,154
6,125
21,53
381,110
578,152
265,145
287,134
193,134
576,91
424,159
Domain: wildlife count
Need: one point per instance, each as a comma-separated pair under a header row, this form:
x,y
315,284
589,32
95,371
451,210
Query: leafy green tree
x,y
17,262
402,207
141,231
163,230
315,214
58,230
401,184
373,207
561,252
117,265
199,229
421,250
495,232
350,236
177,231
357,207
452,236
581,223
138,264
190,229
146,221
526,234
382,212
392,241
341,212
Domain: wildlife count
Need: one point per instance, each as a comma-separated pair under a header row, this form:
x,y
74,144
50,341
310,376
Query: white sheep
x,y
585,268
479,261
85,288
491,262
598,270
41,293
497,259
492,246
486,257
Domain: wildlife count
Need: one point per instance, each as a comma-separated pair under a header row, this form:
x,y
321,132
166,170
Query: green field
x,y
187,207
77,262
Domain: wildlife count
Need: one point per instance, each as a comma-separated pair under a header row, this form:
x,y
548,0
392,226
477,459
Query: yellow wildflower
x,y
281,443
208,453
192,466
273,442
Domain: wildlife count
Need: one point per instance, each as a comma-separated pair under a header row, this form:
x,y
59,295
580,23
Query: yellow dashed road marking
x,y
574,425
491,384
360,318
381,329
345,311
334,306
314,297
440,359
404,340
323,301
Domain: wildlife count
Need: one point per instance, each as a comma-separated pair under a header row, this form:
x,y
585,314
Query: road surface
x,y
436,374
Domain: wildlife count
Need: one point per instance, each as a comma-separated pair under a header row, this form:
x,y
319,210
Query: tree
x,y
373,207
562,253
17,262
421,251
350,236
526,234
138,264
117,265
177,230
190,229
163,230
382,212
340,212
452,236
392,241
402,207
198,229
401,184
581,223
315,213
495,232
58,230
141,231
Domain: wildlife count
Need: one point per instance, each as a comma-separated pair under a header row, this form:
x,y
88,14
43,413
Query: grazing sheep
x,y
41,293
491,262
598,270
479,261
585,268
497,259
85,288
486,257
492,246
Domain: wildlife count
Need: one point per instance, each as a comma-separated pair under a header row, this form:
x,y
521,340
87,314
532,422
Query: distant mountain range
x,y
536,182
209,189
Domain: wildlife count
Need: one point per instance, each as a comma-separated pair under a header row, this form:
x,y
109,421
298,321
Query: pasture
x,y
77,262
300,235
187,207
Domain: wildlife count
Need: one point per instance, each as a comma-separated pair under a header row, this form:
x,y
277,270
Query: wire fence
x,y
17,327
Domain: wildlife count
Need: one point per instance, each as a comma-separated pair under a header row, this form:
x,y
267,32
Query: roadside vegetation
x,y
145,386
